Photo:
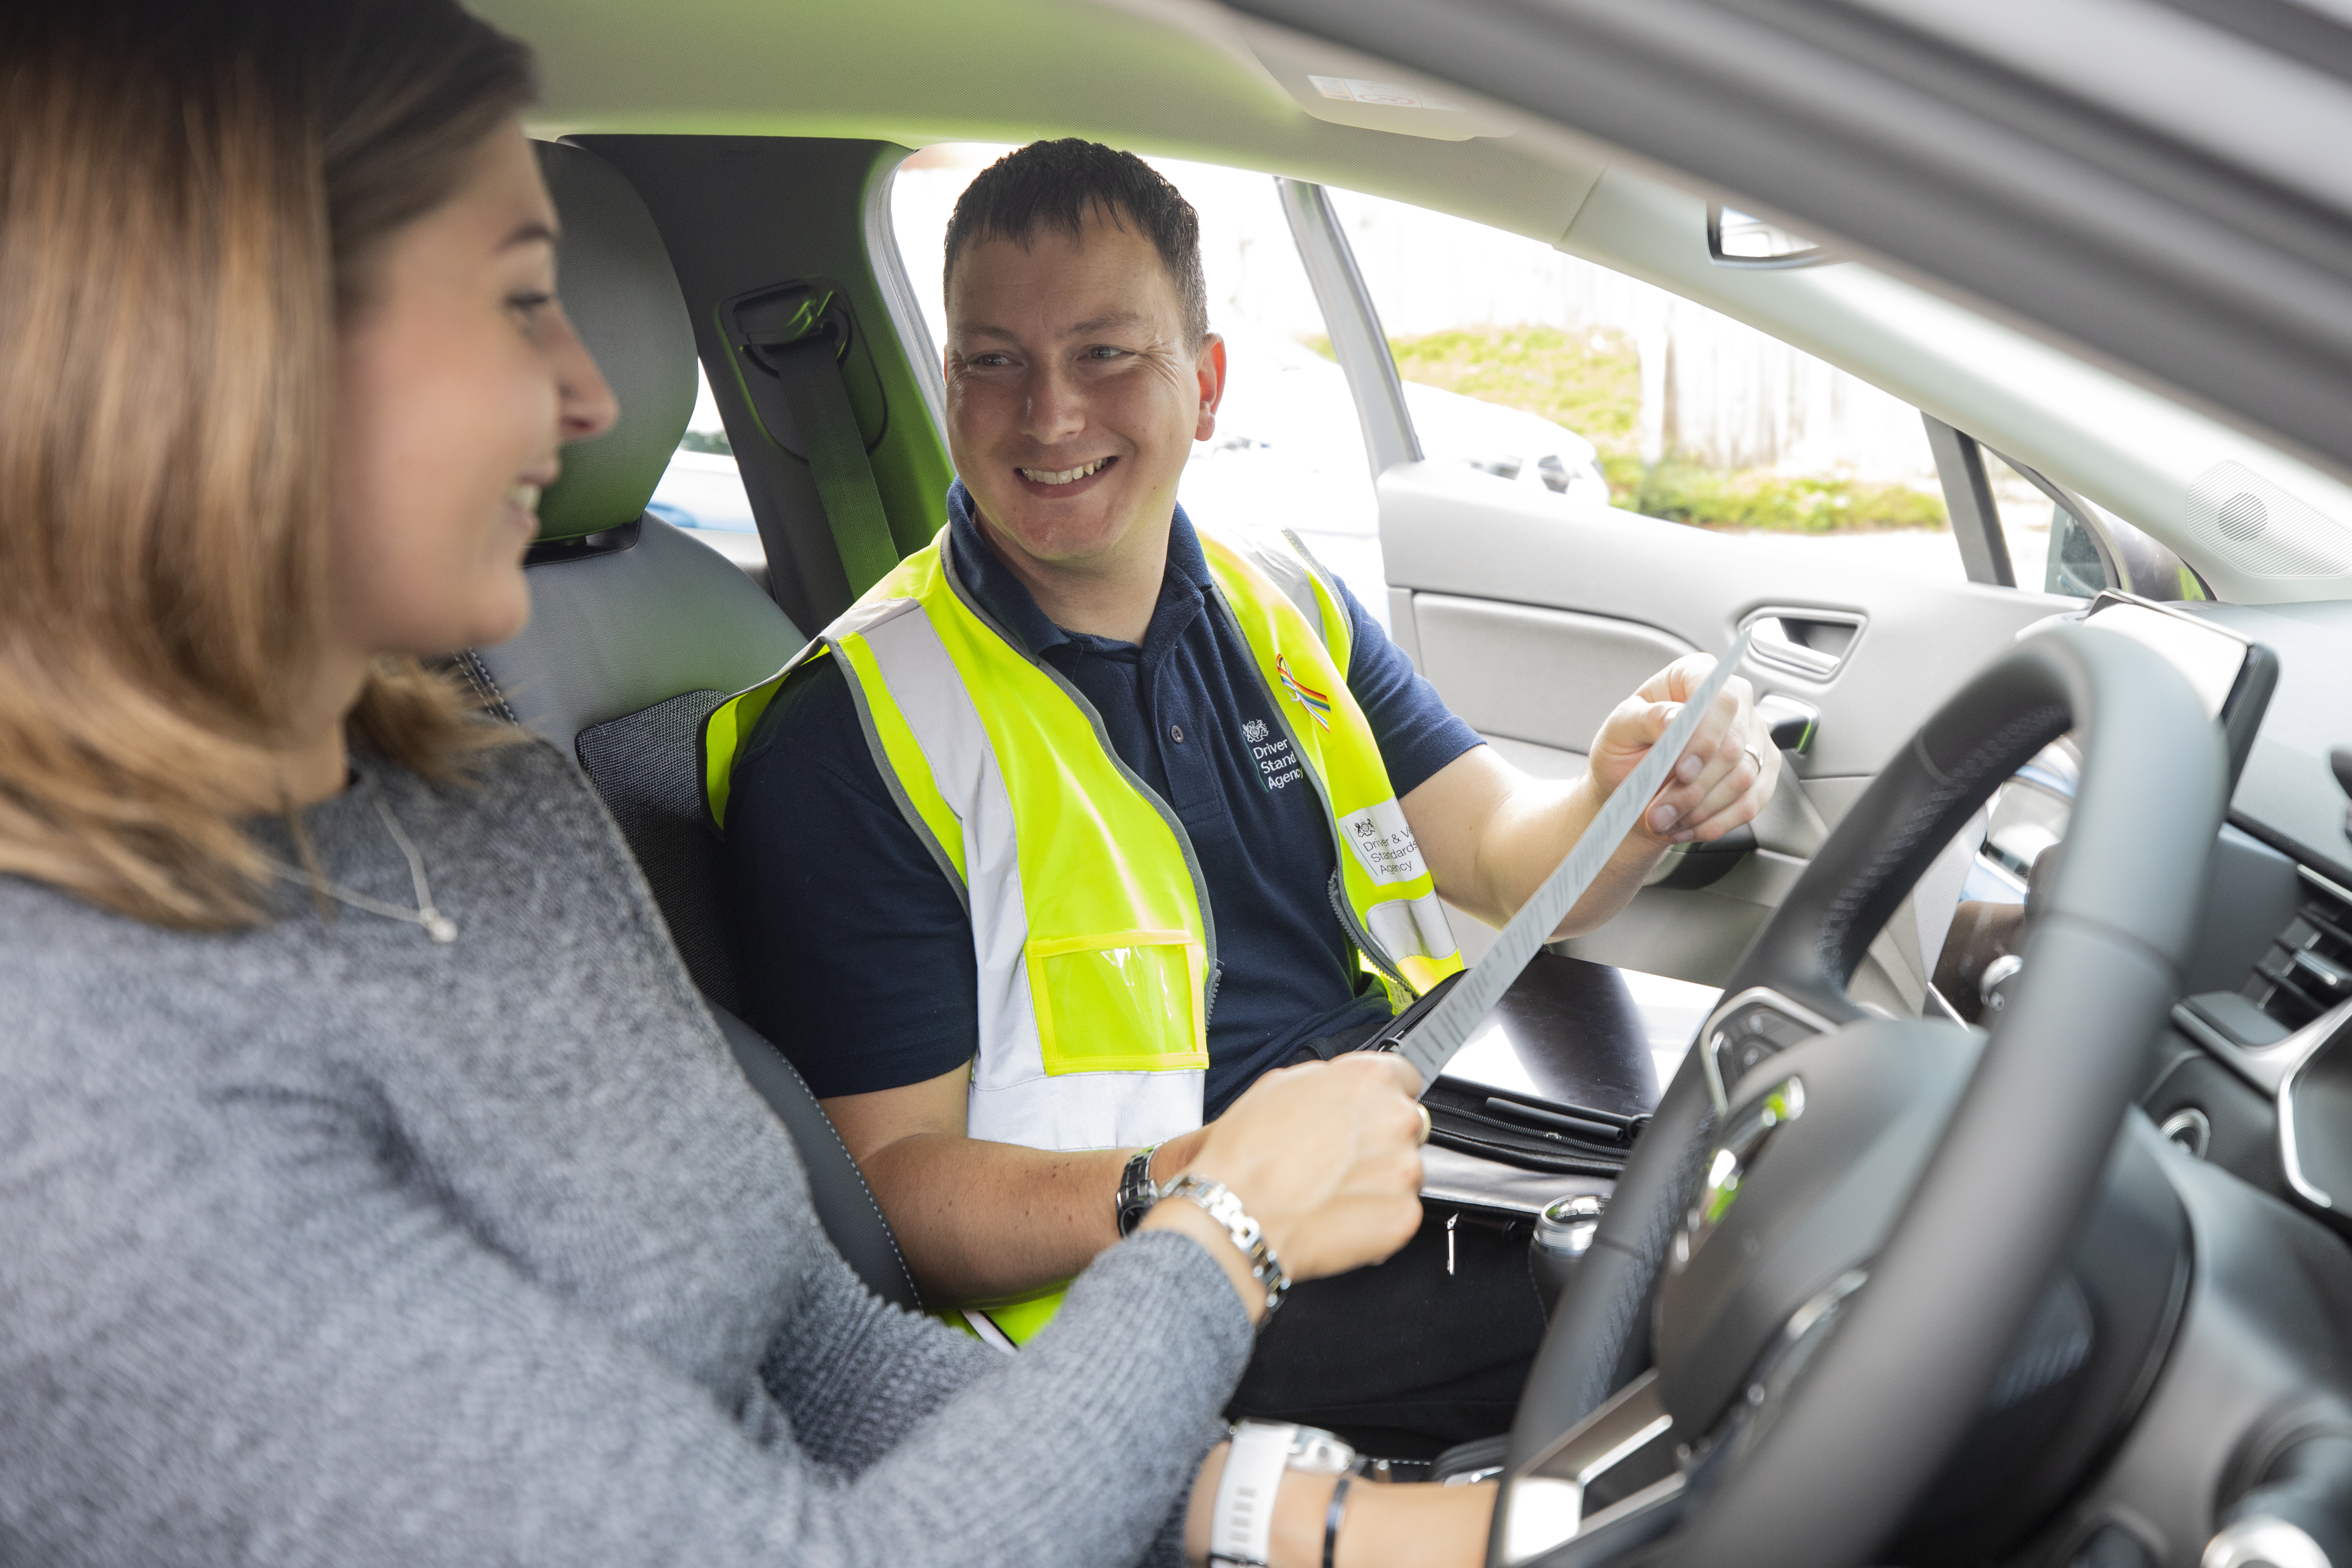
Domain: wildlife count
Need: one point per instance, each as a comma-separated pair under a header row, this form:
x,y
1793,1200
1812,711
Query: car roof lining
x,y
1011,72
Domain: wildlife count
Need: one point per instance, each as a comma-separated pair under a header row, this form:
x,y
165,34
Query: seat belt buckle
x,y
783,316
765,330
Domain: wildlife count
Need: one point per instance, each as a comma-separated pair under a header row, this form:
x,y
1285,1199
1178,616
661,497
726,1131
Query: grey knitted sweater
x,y
320,1243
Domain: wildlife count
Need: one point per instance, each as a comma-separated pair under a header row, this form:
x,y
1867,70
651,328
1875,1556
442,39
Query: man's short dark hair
x,y
1056,183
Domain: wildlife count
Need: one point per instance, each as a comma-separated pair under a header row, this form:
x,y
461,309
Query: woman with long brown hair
x,y
373,1185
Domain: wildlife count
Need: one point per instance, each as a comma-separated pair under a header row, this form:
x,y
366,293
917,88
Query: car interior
x,y
2019,888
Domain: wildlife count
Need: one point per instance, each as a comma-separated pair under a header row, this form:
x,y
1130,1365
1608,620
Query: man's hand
x,y
977,1219
1727,773
1491,834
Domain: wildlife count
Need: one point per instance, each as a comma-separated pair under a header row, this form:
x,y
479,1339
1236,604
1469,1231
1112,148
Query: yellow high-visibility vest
x,y
1091,924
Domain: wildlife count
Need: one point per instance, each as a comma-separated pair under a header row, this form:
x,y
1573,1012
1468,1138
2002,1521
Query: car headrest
x,y
623,299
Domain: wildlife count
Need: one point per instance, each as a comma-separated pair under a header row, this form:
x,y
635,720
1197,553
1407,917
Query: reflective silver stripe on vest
x,y
1287,572
1085,1110
1012,1101
851,623
1411,927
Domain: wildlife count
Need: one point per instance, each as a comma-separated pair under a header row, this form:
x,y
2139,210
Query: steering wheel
x,y
1788,1238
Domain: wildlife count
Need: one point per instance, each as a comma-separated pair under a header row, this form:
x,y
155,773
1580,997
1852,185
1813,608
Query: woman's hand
x,y
1325,1157
1727,773
1410,1525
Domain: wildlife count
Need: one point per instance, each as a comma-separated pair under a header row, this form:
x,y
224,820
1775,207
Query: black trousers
x,y
1408,1357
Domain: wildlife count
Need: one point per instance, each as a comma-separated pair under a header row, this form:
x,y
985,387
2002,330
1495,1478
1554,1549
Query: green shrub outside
x,y
1592,383
1760,499
1589,382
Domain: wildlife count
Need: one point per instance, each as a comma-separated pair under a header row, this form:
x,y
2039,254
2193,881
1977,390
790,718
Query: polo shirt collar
x,y
1008,601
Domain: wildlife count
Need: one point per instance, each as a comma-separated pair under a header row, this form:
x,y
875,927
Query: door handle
x,y
1807,642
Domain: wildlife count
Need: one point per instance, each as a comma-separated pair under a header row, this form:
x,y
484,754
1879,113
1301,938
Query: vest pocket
x,y
1119,1002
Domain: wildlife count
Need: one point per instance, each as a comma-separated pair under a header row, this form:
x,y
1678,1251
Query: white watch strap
x,y
1243,1528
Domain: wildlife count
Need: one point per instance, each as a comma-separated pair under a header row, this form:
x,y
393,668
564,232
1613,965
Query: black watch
x,y
1136,1193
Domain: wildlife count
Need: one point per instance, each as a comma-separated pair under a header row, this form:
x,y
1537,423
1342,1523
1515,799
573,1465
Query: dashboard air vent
x,y
2307,968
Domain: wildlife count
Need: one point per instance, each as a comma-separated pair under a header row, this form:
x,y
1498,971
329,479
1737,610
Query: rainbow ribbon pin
x,y
1306,697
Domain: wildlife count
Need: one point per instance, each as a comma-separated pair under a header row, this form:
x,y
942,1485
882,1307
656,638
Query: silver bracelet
x,y
1217,1201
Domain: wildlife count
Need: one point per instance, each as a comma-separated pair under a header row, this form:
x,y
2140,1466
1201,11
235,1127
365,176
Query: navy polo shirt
x,y
857,952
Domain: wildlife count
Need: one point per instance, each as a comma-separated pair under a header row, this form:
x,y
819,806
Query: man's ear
x,y
1210,367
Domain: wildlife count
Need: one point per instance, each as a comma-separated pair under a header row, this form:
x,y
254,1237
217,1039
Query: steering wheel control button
x,y
1746,1032
1754,1035
1753,1128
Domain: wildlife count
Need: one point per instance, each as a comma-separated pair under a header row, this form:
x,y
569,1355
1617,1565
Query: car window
x,y
2047,548
1624,390
1288,451
1537,368
702,490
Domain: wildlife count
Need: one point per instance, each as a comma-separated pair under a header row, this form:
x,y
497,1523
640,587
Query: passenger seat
x,y
637,631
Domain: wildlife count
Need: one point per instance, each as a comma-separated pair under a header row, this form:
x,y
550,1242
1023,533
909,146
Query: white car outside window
x,y
702,490
1289,454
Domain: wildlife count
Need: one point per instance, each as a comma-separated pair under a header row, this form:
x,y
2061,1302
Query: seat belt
x,y
798,335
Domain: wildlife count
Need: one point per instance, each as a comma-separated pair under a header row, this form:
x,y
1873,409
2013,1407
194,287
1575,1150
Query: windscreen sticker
x,y
1387,94
1383,844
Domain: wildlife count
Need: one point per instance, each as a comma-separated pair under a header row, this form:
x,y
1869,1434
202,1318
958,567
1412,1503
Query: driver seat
x,y
637,631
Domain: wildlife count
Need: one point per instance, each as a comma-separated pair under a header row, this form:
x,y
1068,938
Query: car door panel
x,y
1463,640
1447,538
1533,619
1692,934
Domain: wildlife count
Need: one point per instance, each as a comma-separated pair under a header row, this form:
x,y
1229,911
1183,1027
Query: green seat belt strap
x,y
795,334
836,454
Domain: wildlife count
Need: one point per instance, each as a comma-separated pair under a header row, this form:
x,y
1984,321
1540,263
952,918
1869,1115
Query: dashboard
x,y
2255,1072
2178,1395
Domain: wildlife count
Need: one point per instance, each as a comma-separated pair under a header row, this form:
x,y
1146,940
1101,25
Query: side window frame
x,y
1357,341
1967,502
906,313
2129,560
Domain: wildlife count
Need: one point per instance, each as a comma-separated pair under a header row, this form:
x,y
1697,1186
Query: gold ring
x,y
1424,1123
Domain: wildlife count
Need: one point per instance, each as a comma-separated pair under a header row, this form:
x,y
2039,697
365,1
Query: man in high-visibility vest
x,y
1084,819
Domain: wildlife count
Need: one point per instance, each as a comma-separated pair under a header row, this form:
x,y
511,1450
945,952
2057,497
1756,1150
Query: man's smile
x,y
1062,479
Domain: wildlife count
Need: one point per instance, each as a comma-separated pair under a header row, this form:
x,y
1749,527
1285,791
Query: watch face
x,y
1136,1193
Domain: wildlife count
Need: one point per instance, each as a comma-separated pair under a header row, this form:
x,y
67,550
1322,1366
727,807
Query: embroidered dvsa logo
x,y
1253,731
